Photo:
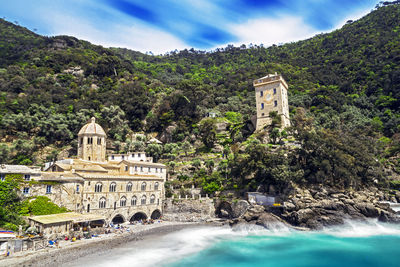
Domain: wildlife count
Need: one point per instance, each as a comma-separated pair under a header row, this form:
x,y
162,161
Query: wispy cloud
x,y
165,25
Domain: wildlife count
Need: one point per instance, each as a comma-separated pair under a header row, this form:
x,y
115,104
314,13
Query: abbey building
x,y
123,187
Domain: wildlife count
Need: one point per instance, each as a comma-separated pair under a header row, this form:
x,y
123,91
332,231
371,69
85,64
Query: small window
x,y
126,168
262,105
138,155
81,140
141,168
26,190
113,187
2,177
156,186
102,203
143,187
77,188
161,170
129,187
98,187
262,114
133,155
275,103
152,199
135,168
27,177
122,202
48,189
143,200
134,201
149,169
123,157
261,93
274,91
99,141
112,157
156,170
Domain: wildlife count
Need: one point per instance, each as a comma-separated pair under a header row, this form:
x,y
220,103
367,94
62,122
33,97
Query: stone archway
x,y
155,215
118,219
138,216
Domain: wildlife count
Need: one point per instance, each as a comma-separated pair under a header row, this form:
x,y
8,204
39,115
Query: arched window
x,y
122,202
152,199
156,186
102,203
98,187
113,187
134,201
143,200
129,187
143,186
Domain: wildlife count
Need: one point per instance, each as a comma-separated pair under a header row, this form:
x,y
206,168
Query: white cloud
x,y
268,31
138,37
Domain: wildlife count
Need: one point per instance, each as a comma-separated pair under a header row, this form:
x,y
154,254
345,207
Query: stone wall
x,y
189,210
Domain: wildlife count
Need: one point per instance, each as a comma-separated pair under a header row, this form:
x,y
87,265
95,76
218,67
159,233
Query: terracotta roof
x,y
92,128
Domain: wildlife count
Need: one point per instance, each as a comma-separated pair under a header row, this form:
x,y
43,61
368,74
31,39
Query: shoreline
x,y
70,251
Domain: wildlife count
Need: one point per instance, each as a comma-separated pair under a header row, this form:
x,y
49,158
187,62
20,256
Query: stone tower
x,y
271,95
92,142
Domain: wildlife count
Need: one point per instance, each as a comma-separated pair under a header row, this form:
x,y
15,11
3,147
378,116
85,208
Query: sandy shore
x,y
69,251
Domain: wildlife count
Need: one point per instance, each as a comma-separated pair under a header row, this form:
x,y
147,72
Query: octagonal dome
x,y
92,128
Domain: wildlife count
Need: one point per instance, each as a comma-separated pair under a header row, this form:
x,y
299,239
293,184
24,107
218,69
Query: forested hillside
x,y
344,96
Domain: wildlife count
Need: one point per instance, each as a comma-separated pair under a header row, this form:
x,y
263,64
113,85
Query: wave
x,y
167,249
363,229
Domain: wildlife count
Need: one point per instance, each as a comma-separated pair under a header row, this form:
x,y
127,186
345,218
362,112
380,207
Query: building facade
x,y
271,95
126,187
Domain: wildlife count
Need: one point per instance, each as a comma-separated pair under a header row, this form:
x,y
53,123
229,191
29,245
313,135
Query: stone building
x,y
271,95
123,188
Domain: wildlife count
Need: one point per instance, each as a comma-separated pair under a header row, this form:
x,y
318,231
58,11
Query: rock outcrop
x,y
320,207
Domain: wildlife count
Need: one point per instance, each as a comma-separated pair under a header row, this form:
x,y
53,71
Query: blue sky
x,y
165,25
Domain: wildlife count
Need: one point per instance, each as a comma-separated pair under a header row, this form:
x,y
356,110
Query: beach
x,y
70,251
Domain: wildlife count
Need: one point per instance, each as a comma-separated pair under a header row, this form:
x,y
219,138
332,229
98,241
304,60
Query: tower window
x,y
99,141
261,93
274,91
262,105
275,103
48,189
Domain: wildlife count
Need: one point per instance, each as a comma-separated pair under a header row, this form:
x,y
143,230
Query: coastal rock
x,y
269,221
367,209
239,208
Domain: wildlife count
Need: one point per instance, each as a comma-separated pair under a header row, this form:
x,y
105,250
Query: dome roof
x,y
92,128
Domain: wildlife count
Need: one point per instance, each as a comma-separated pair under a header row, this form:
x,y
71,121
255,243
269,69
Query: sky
x,y
161,26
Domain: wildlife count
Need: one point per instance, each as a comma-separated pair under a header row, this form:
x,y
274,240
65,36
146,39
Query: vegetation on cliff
x,y
344,96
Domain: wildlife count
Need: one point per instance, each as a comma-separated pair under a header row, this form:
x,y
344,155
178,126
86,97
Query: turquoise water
x,y
300,249
353,244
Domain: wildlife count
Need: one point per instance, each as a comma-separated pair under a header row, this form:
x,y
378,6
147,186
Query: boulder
x,y
269,221
367,209
239,208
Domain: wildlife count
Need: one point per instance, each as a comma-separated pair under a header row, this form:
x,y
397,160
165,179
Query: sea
x,y
353,244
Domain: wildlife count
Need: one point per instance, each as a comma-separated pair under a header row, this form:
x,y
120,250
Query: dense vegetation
x,y
13,205
344,96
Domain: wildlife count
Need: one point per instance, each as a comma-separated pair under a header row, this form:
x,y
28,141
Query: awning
x,y
66,217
